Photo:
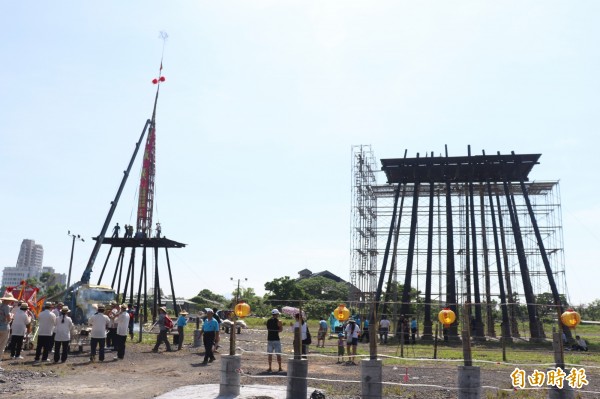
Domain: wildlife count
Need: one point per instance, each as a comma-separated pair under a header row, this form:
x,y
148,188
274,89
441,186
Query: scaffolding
x,y
476,210
363,250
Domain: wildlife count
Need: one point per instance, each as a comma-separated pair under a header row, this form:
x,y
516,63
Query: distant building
x,y
29,264
56,278
14,275
31,255
353,292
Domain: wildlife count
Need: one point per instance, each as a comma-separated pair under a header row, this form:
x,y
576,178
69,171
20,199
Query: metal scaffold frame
x,y
474,247
363,235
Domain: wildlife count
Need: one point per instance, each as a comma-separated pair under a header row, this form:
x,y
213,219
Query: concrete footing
x,y
371,375
230,376
297,384
565,393
469,382
197,338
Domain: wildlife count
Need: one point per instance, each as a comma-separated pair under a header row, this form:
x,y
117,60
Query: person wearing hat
x,y
19,328
99,322
64,328
181,323
46,321
163,330
5,317
352,333
112,325
120,338
210,334
274,327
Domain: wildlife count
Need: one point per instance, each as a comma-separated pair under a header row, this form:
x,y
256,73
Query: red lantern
x,y
242,310
570,318
162,78
341,313
154,81
446,317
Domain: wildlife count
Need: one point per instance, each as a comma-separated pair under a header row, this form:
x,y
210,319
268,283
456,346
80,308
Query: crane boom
x,y
85,278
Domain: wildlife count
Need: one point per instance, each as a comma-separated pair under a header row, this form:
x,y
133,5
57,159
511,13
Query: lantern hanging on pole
x,y
341,313
570,318
242,310
446,317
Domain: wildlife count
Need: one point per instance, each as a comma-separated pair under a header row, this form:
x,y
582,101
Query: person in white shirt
x,y
303,334
46,321
62,339
384,329
19,328
99,323
580,344
352,332
112,326
120,338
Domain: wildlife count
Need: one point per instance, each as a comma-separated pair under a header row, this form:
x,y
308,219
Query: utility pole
x,y
78,237
232,331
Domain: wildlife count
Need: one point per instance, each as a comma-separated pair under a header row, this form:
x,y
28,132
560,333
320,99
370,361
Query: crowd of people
x,y
55,328
111,325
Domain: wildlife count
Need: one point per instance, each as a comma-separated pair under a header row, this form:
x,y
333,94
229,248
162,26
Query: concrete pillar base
x,y
197,338
230,376
297,384
565,393
371,375
469,382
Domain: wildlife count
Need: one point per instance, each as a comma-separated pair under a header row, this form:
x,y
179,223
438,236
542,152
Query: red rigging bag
x,y
168,322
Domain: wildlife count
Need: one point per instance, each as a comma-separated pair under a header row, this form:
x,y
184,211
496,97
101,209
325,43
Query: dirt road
x,y
144,374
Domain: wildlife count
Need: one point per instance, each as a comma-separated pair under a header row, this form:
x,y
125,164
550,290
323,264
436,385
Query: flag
x,y
39,305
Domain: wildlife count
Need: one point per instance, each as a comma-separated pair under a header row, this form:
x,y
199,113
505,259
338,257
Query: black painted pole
x,y
505,330
427,326
527,288
478,329
405,307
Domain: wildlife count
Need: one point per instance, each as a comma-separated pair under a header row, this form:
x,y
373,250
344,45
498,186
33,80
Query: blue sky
x,y
262,103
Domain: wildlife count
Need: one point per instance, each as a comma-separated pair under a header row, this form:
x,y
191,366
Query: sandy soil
x,y
144,374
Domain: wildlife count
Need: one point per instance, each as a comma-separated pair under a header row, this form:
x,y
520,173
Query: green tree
x,y
283,291
54,289
248,295
591,311
208,299
546,307
33,281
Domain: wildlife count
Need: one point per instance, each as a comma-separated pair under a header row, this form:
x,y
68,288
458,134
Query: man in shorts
x,y
274,327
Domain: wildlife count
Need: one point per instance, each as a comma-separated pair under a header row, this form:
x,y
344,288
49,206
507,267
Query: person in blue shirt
x,y
210,334
413,329
181,323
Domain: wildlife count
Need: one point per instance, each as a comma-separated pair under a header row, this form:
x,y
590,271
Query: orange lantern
x,y
446,316
341,313
570,318
242,310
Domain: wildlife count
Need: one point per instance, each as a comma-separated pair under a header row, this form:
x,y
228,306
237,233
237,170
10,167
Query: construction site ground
x,y
144,374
